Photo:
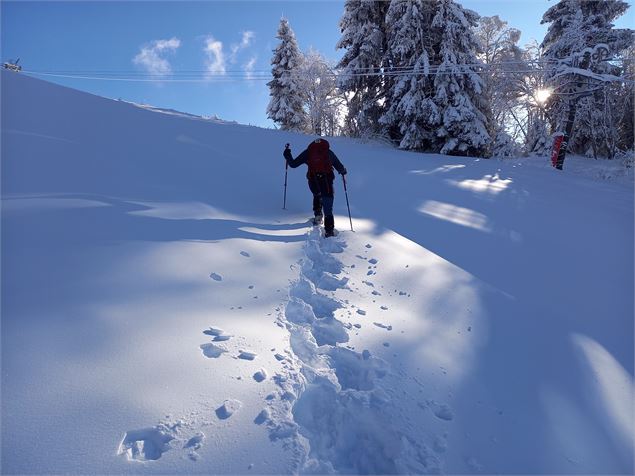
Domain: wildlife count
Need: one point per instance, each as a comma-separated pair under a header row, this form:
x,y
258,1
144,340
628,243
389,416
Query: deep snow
x,y
162,314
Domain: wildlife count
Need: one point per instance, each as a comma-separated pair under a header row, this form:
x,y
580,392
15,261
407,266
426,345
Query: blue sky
x,y
192,36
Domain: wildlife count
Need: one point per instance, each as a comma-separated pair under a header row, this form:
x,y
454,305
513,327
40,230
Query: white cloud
x,y
151,57
215,62
247,37
245,42
249,67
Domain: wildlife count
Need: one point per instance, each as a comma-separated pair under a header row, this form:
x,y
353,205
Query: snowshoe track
x,y
332,410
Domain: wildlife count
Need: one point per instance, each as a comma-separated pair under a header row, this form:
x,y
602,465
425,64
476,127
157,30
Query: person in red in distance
x,y
321,161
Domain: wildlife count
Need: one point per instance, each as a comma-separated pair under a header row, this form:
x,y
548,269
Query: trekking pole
x,y
286,169
347,205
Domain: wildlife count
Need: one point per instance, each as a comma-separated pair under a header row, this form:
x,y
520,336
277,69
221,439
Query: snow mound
x,y
147,444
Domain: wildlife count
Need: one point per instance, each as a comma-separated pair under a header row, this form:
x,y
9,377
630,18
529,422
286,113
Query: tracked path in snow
x,y
335,409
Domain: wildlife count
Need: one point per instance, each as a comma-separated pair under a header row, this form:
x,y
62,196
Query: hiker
x,y
320,160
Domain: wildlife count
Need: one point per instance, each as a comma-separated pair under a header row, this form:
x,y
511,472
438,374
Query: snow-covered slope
x,y
161,313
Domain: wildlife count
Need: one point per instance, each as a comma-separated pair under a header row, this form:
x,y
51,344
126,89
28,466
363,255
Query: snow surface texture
x,y
162,314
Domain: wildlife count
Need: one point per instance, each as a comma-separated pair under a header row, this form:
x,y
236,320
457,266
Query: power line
x,y
205,76
268,71
251,78
223,78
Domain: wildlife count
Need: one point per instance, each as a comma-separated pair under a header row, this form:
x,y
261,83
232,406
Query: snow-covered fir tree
x,y
575,25
504,146
286,104
458,86
578,24
596,133
538,139
625,97
411,114
364,38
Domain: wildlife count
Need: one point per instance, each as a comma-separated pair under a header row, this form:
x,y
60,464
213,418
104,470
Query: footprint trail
x,y
331,409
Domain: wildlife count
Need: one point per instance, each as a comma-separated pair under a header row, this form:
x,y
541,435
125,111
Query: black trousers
x,y
321,186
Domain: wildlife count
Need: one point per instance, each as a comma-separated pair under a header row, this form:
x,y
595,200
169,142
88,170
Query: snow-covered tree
x,y
504,146
364,38
498,41
578,24
625,98
504,73
538,136
595,133
458,86
575,25
286,104
532,101
411,114
323,103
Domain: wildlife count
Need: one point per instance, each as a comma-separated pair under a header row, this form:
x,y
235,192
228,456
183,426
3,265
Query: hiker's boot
x,y
329,225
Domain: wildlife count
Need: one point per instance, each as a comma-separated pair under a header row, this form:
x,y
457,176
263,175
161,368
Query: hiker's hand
x,y
344,172
287,153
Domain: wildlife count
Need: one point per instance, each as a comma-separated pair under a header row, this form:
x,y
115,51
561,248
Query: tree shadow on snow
x,y
516,234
